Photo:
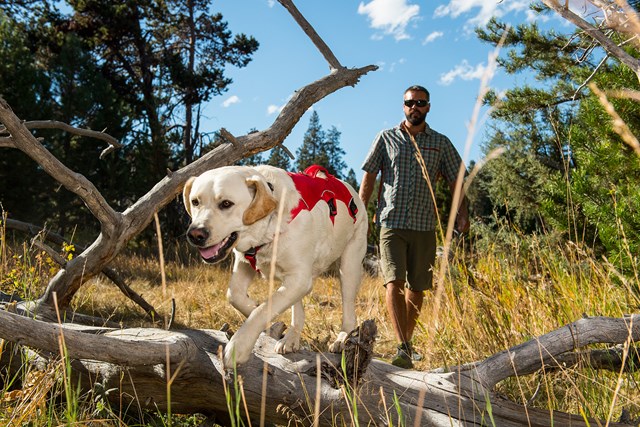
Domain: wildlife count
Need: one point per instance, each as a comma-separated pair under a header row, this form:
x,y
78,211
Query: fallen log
x,y
181,370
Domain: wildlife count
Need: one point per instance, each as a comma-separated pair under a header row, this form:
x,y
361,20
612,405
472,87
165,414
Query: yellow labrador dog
x,y
235,208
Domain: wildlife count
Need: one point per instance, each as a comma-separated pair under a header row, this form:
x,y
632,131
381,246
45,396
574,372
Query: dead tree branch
x,y
597,34
117,228
111,274
384,394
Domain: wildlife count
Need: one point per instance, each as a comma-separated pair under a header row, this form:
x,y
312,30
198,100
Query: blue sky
x,y
431,43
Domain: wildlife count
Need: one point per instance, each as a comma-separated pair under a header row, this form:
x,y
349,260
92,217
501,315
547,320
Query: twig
x,y
54,124
596,34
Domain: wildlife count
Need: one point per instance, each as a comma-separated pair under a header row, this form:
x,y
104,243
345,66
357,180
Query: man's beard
x,y
416,118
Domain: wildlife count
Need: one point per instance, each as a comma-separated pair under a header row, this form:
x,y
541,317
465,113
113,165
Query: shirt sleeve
x,y
373,161
451,162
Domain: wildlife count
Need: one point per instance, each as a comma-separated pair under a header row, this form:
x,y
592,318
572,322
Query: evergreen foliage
x,y
279,158
139,69
565,168
321,148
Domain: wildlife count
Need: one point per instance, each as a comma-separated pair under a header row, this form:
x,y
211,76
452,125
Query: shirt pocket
x,y
430,154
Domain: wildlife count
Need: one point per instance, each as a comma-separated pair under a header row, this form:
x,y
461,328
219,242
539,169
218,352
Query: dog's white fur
x,y
239,199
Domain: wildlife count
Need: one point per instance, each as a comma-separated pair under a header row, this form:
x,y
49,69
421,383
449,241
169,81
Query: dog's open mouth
x,y
219,251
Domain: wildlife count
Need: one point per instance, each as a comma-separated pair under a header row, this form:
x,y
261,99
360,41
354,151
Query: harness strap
x,y
250,256
312,189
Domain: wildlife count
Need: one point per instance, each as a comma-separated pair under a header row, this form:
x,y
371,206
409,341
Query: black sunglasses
x,y
417,102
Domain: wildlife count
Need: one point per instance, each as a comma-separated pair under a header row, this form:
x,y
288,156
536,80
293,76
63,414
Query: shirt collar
x,y
427,129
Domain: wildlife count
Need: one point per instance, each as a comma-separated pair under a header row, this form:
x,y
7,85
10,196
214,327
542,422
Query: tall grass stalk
x,y
350,392
233,398
498,291
71,394
398,406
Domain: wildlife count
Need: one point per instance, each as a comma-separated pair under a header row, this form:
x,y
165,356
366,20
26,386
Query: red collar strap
x,y
250,256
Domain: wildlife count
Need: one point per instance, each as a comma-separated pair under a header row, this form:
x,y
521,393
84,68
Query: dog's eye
x,y
225,204
195,202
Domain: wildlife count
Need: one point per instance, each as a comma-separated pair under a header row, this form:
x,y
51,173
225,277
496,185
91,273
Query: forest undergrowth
x,y
496,292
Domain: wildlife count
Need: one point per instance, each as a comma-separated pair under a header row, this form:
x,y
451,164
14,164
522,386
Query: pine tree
x,y
564,167
352,180
334,153
279,158
312,152
321,148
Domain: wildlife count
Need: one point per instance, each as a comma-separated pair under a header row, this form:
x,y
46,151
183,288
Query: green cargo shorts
x,y
408,255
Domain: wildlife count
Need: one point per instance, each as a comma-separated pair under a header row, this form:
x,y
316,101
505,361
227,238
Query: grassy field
x,y
499,293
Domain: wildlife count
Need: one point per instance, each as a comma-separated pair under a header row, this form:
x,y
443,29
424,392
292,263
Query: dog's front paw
x,y
338,344
289,343
237,352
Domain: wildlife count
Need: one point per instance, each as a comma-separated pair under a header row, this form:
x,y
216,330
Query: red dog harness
x,y
313,188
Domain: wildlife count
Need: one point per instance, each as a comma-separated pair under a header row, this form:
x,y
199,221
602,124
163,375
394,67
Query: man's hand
x,y
462,223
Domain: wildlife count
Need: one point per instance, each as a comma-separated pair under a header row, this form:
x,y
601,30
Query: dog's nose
x,y
198,236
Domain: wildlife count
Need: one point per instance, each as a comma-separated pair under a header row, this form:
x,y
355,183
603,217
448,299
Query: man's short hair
x,y
418,88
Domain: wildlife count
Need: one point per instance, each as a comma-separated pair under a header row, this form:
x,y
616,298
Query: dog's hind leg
x,y
291,340
350,281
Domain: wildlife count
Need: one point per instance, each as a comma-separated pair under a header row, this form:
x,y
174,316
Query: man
x,y
406,211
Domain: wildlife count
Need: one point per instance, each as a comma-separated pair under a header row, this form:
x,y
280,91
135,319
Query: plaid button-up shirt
x,y
406,201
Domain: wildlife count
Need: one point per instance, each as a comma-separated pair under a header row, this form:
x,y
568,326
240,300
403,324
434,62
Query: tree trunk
x,y
146,366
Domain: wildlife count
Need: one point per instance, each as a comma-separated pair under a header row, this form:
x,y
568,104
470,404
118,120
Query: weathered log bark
x,y
278,387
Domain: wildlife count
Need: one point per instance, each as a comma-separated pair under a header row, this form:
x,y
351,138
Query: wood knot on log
x,y
356,356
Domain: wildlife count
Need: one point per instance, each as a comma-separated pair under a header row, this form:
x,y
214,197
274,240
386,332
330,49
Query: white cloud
x,y
233,99
272,109
463,71
487,9
432,37
390,16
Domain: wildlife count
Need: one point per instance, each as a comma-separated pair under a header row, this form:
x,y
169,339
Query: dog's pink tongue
x,y
211,251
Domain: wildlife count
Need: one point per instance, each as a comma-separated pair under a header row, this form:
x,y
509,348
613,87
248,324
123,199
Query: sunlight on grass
x,y
501,293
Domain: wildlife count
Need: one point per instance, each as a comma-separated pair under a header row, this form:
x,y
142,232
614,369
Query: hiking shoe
x,y
408,348
415,356
402,359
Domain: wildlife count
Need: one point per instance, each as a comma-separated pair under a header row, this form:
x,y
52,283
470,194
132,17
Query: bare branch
x,y
334,64
110,273
586,82
54,124
619,16
6,142
72,181
529,357
612,48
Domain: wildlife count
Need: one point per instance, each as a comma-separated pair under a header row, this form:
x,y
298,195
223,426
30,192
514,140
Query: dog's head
x,y
223,204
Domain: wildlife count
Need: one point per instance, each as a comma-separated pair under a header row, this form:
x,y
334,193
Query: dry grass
x,y
494,297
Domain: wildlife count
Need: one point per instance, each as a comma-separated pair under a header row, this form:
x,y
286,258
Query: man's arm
x,y
366,187
462,219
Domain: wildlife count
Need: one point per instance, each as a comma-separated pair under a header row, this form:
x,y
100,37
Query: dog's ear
x,y
186,194
263,202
